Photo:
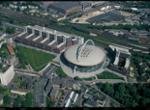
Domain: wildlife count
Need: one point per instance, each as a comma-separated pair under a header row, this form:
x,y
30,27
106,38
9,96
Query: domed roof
x,y
85,55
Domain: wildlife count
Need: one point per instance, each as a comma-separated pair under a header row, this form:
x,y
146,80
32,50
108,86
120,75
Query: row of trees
x,y
10,30
19,101
6,95
4,52
121,26
24,101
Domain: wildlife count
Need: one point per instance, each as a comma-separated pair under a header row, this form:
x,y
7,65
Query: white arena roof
x,y
89,56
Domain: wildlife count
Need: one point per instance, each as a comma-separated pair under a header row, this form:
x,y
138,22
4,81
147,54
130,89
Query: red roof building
x,y
10,49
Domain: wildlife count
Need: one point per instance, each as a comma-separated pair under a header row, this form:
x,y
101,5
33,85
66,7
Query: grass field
x,y
108,75
88,79
35,58
3,51
60,72
4,54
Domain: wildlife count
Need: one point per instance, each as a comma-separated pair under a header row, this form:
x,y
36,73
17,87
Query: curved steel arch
x,y
89,40
80,49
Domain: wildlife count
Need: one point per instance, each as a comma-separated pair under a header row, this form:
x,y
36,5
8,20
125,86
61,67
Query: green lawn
x,y
86,79
4,54
3,51
37,59
60,72
4,90
24,101
108,75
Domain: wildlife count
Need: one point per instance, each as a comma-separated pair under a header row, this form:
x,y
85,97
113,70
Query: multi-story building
x,y
48,39
7,76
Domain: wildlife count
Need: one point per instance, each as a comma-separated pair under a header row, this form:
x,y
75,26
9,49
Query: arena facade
x,y
83,60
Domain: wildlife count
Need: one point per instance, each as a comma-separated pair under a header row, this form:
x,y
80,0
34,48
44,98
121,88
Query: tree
x,y
145,91
18,9
28,102
10,30
6,100
11,21
108,88
132,89
18,101
145,101
4,90
49,103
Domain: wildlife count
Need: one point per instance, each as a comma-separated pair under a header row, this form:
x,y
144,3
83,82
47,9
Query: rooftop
x,y
10,49
90,55
44,29
107,17
66,5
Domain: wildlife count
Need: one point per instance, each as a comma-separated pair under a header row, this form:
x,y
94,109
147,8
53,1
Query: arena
x,y
83,60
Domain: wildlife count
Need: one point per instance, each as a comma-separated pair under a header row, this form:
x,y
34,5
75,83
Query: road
x,y
25,72
39,94
107,96
83,83
47,73
112,81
